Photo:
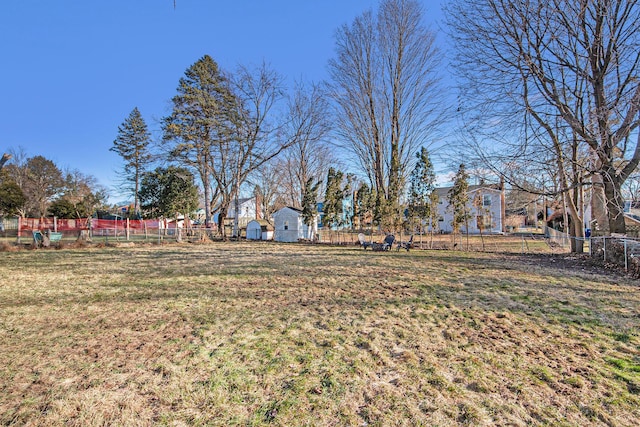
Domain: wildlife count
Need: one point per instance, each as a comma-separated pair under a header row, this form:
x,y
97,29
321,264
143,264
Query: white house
x,y
248,209
290,227
486,209
259,229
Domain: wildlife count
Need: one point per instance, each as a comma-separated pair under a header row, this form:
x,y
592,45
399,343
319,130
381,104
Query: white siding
x,y
254,231
289,226
491,211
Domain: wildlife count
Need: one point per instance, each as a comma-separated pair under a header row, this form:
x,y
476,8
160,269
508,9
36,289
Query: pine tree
x,y
200,133
334,194
132,144
310,203
458,198
365,202
421,187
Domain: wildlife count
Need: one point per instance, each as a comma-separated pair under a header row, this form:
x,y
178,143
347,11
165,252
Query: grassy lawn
x,y
294,335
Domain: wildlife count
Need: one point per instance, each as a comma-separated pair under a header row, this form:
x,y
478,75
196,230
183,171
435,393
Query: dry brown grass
x,y
258,334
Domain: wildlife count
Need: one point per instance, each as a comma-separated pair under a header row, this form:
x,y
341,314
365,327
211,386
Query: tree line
x,y
37,187
548,100
551,99
243,130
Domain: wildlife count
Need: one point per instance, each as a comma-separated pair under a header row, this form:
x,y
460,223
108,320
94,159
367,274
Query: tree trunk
x,y
576,233
236,216
222,215
207,203
615,206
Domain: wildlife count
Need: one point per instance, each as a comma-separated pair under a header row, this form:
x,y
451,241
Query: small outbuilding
x,y
259,229
290,227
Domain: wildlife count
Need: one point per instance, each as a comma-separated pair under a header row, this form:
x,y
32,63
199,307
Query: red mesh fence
x,y
62,225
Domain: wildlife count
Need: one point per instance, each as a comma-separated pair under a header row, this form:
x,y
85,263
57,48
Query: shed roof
x,y
263,223
297,210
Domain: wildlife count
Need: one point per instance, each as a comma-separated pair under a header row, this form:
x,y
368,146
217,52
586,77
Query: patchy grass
x,y
291,335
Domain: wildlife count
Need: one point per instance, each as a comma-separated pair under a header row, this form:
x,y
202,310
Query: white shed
x,y
259,229
290,227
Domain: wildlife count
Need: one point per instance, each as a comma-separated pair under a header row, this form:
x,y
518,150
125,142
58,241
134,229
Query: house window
x,y
441,219
286,225
486,200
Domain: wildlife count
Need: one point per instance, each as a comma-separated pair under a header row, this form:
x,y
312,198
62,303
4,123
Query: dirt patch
x,y
573,263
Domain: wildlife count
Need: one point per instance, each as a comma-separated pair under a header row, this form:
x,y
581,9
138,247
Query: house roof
x,y
264,224
631,220
241,201
290,207
443,191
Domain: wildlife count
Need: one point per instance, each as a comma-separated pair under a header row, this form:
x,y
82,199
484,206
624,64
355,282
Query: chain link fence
x,y
622,251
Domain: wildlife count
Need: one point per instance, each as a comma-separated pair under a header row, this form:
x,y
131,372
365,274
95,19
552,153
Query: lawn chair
x,y
363,242
386,244
405,245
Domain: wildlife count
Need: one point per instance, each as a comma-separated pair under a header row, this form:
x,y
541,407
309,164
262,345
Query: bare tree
x,y
17,171
258,133
83,192
632,187
563,71
43,182
267,183
387,94
309,156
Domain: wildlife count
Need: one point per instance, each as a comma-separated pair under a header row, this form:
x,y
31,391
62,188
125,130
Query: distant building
x,y
248,209
259,229
290,227
488,216
346,219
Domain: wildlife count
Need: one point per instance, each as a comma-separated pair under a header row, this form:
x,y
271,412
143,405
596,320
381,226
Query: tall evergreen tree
x,y
310,203
200,131
365,203
421,187
458,198
132,144
334,195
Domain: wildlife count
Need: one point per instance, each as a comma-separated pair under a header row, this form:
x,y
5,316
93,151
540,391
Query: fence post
x,y
604,248
626,261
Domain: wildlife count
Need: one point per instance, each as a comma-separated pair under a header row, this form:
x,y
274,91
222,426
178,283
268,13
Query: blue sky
x,y
74,69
